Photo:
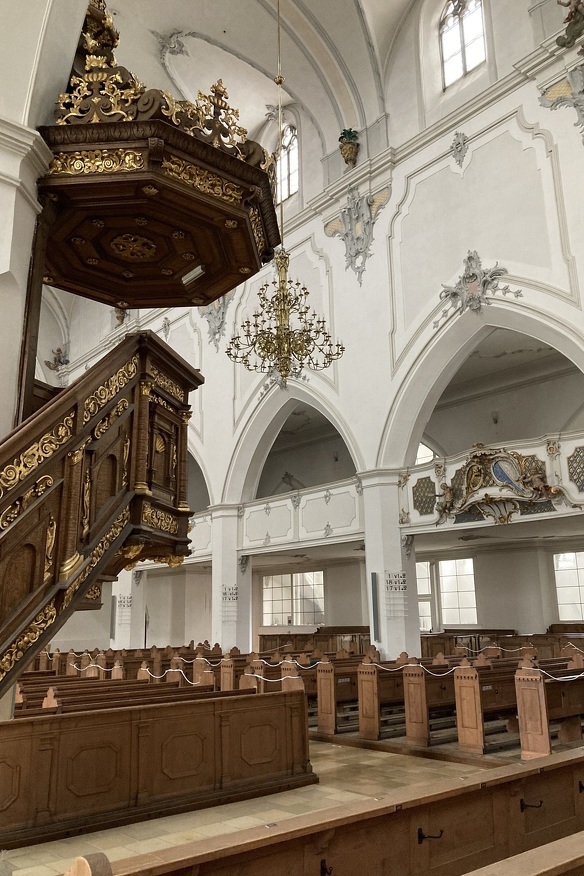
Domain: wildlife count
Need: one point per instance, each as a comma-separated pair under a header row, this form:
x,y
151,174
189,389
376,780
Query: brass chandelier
x,y
283,336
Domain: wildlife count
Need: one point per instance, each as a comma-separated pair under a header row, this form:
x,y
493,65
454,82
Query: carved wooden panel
x,y
77,482
84,768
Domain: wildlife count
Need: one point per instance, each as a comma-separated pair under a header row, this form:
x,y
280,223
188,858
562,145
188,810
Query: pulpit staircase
x,y
93,482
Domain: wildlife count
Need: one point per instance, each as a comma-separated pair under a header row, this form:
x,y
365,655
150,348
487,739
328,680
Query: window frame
x,y
297,618
283,155
579,570
458,608
432,598
463,46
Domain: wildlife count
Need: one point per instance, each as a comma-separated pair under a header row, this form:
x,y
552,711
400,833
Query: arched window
x,y
462,39
287,164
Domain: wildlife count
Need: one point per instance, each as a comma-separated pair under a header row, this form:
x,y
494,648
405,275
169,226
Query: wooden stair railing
x,y
92,482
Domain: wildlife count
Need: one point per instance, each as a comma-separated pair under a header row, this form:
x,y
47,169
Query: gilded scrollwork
x,y
10,514
94,592
17,650
90,161
86,504
202,180
169,559
257,227
105,424
50,547
96,555
109,389
160,401
158,519
11,475
220,122
126,457
166,383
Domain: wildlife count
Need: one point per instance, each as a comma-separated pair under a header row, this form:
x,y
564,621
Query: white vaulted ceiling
x,y
333,54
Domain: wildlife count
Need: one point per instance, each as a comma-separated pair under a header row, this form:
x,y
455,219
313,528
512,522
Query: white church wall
x,y
342,593
513,590
197,614
87,629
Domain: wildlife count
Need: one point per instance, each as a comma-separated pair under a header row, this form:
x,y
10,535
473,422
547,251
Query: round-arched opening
x,y
511,387
198,493
308,451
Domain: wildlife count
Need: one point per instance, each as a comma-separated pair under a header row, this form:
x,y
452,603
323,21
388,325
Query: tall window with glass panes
x,y
293,599
462,39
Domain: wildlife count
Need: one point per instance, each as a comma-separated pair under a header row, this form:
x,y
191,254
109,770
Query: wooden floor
x,y
347,774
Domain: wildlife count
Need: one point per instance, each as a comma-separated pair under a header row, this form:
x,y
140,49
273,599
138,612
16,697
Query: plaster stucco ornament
x,y
497,483
459,147
574,21
215,314
472,287
569,92
354,225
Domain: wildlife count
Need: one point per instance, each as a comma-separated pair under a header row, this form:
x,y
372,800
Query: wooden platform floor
x,y
347,773
502,747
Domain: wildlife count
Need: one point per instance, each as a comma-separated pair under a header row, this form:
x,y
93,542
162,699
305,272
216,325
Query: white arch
x,y
194,452
442,356
262,429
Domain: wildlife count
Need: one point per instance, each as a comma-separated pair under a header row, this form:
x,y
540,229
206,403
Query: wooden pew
x,y
151,695
336,683
541,699
30,694
143,761
423,692
433,687
481,695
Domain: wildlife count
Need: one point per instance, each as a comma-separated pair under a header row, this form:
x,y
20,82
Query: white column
x,y
37,46
122,592
23,158
231,589
393,612
138,623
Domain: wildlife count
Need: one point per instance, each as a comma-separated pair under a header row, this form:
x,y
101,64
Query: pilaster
x,y
230,583
23,158
390,572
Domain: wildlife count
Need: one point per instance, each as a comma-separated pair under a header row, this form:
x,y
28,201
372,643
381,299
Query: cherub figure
x,y
59,359
573,6
445,501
